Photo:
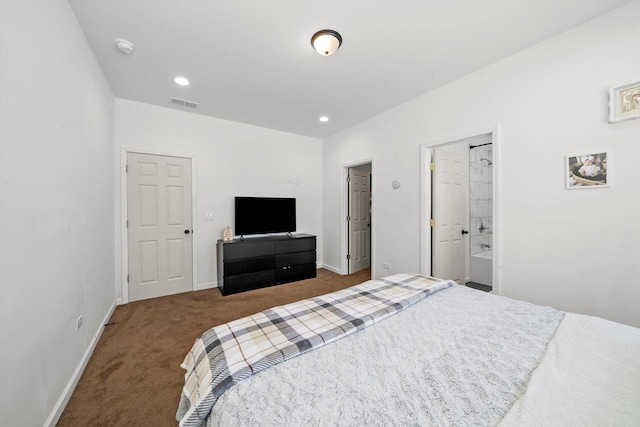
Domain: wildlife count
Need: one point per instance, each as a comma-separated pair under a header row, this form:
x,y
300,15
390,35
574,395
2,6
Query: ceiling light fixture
x,y
181,81
326,42
125,46
324,119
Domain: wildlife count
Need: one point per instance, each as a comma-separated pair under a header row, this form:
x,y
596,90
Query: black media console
x,y
259,262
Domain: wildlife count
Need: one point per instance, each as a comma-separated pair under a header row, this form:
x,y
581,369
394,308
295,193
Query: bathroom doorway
x,y
481,213
479,230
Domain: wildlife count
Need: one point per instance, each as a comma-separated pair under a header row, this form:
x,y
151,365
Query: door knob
x,y
465,232
186,231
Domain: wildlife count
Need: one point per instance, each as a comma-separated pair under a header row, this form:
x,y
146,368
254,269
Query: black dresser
x,y
259,262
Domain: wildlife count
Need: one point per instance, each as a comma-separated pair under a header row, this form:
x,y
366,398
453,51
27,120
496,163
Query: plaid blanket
x,y
229,353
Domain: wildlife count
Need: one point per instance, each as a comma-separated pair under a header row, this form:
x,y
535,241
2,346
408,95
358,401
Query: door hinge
x,y
126,168
127,223
432,222
432,166
348,217
348,256
348,178
127,278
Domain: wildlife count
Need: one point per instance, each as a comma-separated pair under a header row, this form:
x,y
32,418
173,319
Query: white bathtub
x,y
482,268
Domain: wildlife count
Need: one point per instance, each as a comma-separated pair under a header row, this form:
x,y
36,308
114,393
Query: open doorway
x,y
358,219
478,226
480,274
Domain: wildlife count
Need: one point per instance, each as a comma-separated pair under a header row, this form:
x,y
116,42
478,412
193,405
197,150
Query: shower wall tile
x,y
475,190
481,198
474,225
475,171
474,208
480,244
486,171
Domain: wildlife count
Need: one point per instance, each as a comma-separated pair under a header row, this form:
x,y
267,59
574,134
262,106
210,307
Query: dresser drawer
x,y
249,281
296,245
241,266
296,272
247,249
297,258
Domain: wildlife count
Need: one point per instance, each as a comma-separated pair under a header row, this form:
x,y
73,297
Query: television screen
x,y
261,215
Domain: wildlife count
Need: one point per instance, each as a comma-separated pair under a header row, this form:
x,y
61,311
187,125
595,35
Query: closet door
x,y
159,225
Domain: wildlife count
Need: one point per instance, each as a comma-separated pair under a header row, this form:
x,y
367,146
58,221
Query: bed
x,y
413,350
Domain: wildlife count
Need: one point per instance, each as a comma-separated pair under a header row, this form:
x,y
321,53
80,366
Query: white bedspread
x,y
460,357
589,376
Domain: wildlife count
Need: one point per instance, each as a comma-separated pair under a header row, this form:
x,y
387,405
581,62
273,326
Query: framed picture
x,y
624,102
587,171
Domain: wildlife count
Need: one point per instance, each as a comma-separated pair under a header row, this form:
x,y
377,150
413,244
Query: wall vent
x,y
183,102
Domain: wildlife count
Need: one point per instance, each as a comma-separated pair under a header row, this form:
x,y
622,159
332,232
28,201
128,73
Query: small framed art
x,y
624,102
587,171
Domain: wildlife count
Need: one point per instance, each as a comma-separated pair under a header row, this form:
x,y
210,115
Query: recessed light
x,y
181,81
324,119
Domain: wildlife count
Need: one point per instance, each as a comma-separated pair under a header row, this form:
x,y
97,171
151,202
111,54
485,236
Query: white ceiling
x,y
252,61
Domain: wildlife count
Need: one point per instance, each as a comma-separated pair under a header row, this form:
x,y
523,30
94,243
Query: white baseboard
x,y
118,302
57,410
202,286
330,268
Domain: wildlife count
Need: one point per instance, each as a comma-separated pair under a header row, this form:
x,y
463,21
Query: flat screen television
x,y
262,215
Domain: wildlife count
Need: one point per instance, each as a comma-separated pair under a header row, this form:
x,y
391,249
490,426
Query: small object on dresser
x,y
227,235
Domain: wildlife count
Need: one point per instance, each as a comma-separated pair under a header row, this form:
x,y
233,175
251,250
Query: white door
x,y
448,212
359,220
159,225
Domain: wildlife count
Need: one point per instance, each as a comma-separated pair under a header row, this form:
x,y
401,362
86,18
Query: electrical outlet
x,y
387,265
208,216
78,323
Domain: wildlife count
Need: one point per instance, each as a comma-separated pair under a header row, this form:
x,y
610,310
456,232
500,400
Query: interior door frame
x,y
344,228
425,198
124,152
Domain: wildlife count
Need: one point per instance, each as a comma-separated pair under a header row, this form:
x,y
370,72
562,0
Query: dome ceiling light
x,y
125,46
326,42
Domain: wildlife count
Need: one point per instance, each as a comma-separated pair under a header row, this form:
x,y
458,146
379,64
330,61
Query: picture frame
x,y
587,171
624,102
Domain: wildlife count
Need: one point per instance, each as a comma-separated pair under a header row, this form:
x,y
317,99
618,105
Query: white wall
x,y
56,206
232,159
576,250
